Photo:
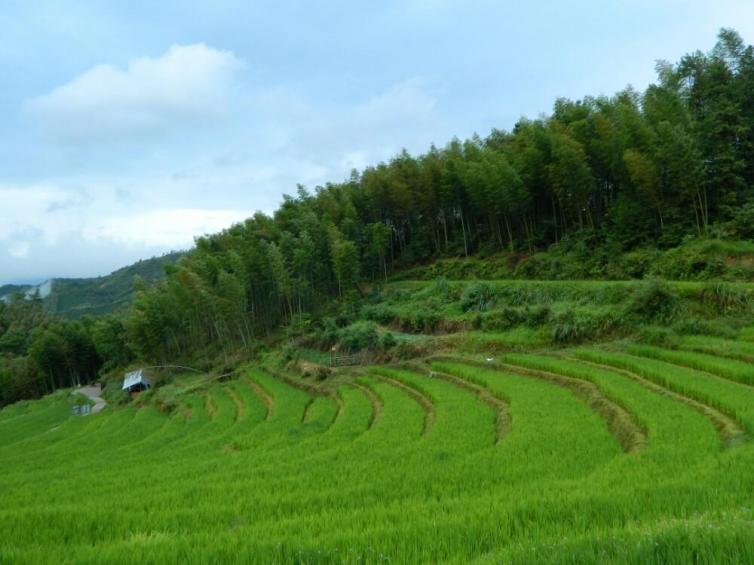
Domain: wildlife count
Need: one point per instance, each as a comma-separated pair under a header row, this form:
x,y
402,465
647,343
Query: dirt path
x,y
93,393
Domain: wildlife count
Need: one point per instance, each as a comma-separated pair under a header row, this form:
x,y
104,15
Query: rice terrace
x,y
585,454
532,347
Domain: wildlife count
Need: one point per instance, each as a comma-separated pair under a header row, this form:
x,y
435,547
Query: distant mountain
x,y
74,298
7,291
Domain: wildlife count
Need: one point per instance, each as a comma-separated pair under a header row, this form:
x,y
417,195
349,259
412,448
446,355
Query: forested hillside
x,y
40,351
74,298
609,174
600,178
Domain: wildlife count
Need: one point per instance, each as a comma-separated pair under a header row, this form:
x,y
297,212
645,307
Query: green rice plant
x,y
712,345
255,470
732,398
728,368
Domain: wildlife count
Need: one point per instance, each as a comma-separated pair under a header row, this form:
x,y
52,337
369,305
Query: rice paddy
x,y
634,454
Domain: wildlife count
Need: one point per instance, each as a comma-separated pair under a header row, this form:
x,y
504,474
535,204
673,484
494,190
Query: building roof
x,y
134,378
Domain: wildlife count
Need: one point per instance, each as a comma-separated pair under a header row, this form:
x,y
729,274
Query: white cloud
x,y
187,84
405,101
169,228
19,250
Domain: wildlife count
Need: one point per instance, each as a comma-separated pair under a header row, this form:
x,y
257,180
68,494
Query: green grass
x,y
392,465
716,364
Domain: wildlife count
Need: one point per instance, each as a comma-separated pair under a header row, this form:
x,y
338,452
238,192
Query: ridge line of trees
x,y
634,169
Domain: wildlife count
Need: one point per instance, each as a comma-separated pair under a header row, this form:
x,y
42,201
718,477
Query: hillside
x,y
9,290
74,298
533,347
620,454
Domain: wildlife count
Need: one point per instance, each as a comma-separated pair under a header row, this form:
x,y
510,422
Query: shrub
x,y
653,300
358,336
423,321
328,334
387,340
438,289
380,313
537,316
726,298
477,296
500,320
743,221
576,327
290,353
700,326
658,335
695,260
568,328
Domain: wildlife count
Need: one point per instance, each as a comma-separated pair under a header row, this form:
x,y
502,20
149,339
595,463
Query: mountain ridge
x,y
76,297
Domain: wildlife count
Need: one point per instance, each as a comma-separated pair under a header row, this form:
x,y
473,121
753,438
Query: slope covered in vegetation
x,y
657,183
550,332
590,455
40,351
74,298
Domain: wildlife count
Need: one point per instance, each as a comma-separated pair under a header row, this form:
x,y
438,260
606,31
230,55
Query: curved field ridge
x,y
397,380
621,424
485,395
591,456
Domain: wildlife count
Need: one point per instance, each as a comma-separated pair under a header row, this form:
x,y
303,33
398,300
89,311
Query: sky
x,y
128,128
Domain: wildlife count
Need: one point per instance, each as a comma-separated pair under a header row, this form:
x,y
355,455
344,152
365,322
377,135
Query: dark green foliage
x,y
537,315
500,320
14,342
628,186
421,320
658,335
701,261
358,336
653,300
380,313
725,298
478,297
743,221
695,325
74,298
569,328
387,340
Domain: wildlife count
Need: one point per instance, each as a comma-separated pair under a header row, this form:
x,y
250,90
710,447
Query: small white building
x,y
135,382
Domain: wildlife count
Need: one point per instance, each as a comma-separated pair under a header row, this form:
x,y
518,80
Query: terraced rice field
x,y
640,455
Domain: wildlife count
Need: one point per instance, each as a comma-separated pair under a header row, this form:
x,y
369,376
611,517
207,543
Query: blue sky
x,y
128,128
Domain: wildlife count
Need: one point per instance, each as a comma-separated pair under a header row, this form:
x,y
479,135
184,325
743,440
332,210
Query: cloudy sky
x,y
129,128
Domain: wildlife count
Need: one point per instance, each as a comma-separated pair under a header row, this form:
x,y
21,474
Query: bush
x,y
726,298
576,327
358,336
700,326
290,353
328,334
569,328
537,316
501,320
743,221
658,335
379,313
653,300
694,260
478,296
387,341
423,321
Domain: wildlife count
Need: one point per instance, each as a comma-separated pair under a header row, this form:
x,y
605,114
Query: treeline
x,y
626,171
40,353
635,169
